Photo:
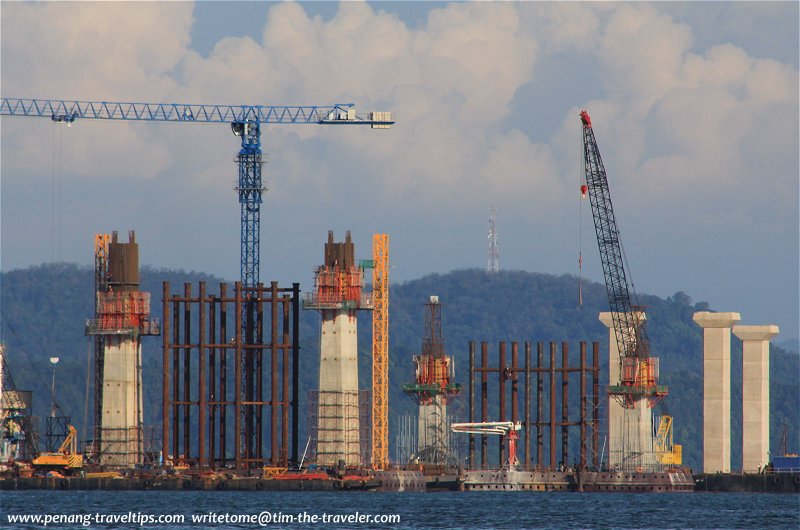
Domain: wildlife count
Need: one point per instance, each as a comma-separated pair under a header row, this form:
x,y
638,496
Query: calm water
x,y
416,510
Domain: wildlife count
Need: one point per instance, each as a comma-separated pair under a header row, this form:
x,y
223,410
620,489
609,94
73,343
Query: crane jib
x,y
70,110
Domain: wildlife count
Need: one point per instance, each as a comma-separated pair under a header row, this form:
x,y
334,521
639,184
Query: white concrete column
x,y
122,412
716,389
338,435
434,434
629,431
755,394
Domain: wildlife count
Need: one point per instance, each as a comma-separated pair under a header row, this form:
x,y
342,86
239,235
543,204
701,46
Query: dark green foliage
x,y
44,311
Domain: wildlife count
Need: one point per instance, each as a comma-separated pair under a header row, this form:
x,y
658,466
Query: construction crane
x,y
245,122
65,458
638,370
507,429
16,427
668,453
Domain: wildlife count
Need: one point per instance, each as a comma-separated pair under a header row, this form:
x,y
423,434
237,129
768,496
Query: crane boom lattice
x,y
638,371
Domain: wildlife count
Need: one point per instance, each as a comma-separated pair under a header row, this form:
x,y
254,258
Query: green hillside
x,y
44,309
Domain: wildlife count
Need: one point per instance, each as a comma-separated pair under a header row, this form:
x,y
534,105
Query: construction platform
x,y
598,481
748,482
353,480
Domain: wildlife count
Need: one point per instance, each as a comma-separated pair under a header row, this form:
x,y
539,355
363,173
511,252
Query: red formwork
x,y
122,310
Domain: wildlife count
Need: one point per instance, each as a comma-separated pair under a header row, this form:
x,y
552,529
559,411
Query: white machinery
x,y
507,429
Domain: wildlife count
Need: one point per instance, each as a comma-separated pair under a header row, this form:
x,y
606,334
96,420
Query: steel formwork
x,y
227,394
510,373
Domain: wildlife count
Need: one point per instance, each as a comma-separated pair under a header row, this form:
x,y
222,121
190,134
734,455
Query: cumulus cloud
x,y
675,123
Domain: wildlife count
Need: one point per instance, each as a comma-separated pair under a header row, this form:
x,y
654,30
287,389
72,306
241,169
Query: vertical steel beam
x,y
596,402
275,373
565,403
176,370
583,406
201,350
484,403
471,461
223,374
258,361
248,374
527,405
503,375
514,382
283,460
187,367
539,405
553,466
212,381
237,385
165,402
295,370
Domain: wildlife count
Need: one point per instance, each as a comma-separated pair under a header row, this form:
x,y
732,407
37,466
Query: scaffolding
x,y
338,406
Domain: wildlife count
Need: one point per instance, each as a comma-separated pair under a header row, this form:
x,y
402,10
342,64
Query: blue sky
x,y
695,109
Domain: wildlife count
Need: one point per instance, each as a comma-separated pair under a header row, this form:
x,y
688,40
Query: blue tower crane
x,y
245,121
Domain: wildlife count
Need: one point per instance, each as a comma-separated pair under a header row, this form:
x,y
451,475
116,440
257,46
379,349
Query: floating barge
x,y
675,480
748,482
356,480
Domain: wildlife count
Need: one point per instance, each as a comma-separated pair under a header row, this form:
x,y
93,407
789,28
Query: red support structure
x,y
198,398
503,378
505,373
564,403
553,423
484,402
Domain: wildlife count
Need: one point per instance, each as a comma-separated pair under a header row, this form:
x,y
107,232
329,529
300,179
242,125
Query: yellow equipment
x,y
668,454
67,455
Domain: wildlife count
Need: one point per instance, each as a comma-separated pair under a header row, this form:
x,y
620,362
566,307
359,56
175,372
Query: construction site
x,y
522,416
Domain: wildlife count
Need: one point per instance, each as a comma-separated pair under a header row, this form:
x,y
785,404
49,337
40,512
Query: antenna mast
x,y
494,251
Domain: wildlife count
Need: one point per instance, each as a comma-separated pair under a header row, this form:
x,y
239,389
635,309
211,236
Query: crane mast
x,y
638,370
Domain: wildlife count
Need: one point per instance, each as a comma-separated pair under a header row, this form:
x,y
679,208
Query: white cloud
x,y
684,132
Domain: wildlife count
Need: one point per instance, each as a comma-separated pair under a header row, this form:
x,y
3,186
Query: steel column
x,y
471,461
564,404
201,350
596,402
539,405
553,406
527,405
484,403
223,374
212,380
583,407
237,385
187,365
295,371
165,403
502,379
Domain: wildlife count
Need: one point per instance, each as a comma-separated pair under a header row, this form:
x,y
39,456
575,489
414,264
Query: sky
x,y
694,106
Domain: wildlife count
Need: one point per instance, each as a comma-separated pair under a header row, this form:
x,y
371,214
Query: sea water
x,y
297,510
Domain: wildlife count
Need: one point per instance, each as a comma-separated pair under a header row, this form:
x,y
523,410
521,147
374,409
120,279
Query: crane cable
x,y
56,187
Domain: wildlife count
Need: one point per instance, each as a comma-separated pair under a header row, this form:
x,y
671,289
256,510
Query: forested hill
x,y
44,309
